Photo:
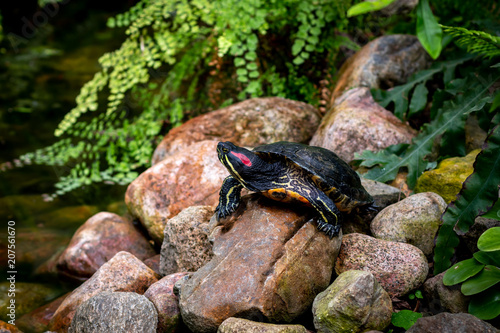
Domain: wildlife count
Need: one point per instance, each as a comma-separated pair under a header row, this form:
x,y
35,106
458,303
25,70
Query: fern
x,y
479,193
449,119
173,52
478,42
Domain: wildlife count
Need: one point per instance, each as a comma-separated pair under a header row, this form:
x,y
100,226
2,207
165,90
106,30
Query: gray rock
x,y
238,325
399,7
383,63
469,238
269,262
383,194
355,302
445,298
185,245
356,123
414,220
398,267
115,312
452,323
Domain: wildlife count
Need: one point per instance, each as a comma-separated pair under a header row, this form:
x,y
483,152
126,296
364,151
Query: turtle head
x,y
239,161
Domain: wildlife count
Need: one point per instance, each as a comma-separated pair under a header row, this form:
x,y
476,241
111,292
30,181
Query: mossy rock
x,y
447,179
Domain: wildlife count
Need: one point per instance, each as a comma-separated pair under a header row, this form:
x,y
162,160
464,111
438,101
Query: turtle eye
x,y
225,150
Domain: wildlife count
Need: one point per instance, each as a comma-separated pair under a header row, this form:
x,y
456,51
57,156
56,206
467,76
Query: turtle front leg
x,y
330,218
229,197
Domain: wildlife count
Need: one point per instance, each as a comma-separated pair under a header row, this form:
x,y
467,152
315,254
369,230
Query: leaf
x,y
475,41
462,271
399,95
488,258
419,99
429,32
494,212
368,6
479,192
487,278
405,318
489,240
297,46
486,305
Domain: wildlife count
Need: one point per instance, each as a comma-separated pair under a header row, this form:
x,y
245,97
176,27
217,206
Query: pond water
x,y
40,76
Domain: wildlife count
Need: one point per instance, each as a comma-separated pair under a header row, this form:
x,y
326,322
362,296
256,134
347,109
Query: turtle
x,y
293,172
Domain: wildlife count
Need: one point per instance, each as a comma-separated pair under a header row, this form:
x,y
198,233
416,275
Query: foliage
x,y
405,318
464,96
368,6
174,55
479,193
475,41
428,31
479,276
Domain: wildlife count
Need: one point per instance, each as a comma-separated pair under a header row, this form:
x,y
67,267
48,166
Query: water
x,y
42,68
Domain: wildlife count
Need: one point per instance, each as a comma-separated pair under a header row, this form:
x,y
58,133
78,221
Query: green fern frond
x,y
478,42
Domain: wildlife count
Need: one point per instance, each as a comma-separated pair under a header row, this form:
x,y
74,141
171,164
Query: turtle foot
x,y
329,229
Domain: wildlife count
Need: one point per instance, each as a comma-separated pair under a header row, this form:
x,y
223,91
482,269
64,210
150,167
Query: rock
x,y
33,247
269,262
474,134
446,180
356,123
399,7
27,297
5,327
238,325
355,302
186,247
123,272
451,323
250,123
398,267
383,194
37,321
162,295
414,220
154,263
192,176
469,238
445,298
383,63
98,240
115,312
67,218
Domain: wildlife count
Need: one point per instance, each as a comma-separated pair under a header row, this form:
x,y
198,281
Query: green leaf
x,y
489,240
419,99
367,7
486,305
462,271
405,318
488,258
494,212
487,278
429,32
238,61
297,46
479,192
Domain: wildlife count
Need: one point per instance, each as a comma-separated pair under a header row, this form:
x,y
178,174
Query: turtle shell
x,y
332,175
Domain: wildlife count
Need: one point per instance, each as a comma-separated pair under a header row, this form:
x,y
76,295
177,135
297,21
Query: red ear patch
x,y
243,158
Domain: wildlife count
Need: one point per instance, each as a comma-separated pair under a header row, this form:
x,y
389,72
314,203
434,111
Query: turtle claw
x,y
329,229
